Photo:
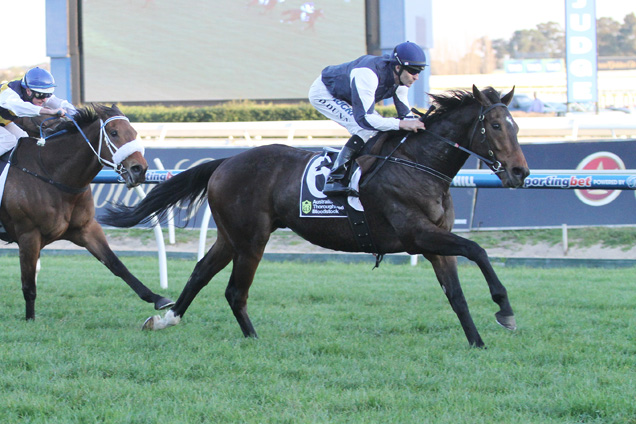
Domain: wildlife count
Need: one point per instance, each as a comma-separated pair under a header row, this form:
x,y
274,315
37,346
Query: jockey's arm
x,y
411,125
55,112
364,83
401,102
54,102
10,100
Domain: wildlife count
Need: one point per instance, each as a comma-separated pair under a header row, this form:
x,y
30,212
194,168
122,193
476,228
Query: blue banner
x,y
580,51
599,189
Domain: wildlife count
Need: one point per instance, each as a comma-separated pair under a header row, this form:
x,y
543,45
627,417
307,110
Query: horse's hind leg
x,y
238,288
94,240
217,258
446,271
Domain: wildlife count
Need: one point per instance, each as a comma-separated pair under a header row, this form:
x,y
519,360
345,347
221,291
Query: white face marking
x,y
509,119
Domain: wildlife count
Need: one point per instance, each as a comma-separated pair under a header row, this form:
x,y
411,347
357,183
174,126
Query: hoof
x,y
506,321
157,323
149,324
163,303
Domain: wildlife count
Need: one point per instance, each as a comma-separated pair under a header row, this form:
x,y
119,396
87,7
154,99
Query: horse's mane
x,y
453,99
85,115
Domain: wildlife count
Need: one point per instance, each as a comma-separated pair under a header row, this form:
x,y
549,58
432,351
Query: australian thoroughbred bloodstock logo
x,y
590,189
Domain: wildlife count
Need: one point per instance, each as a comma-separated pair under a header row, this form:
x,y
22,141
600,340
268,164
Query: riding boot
x,y
337,182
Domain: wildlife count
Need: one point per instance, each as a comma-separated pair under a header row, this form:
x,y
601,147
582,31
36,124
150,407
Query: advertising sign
x,y
547,200
580,51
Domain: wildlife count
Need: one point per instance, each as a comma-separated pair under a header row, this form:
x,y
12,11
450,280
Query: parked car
x,y
559,109
522,102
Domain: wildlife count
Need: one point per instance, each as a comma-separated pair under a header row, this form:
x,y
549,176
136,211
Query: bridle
x,y
118,154
492,163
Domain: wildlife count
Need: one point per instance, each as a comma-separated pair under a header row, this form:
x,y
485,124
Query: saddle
x,y
315,204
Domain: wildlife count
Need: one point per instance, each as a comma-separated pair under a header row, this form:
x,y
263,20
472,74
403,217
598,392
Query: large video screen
x,y
213,50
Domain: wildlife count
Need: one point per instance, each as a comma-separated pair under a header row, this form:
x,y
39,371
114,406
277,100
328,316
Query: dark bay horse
x,y
47,195
407,203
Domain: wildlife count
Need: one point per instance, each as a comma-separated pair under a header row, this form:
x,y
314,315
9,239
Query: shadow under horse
x,y
47,196
404,188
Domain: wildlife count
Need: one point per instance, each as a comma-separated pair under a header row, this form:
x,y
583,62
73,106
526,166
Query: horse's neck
x,y
438,154
70,160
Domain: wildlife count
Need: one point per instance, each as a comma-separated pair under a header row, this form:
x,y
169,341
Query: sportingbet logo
x,y
157,176
558,182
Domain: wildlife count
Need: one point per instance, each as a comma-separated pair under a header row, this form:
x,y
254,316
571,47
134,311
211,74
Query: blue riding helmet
x,y
38,79
409,55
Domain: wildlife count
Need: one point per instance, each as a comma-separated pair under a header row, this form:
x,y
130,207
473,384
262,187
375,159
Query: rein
x,y
118,154
63,187
493,164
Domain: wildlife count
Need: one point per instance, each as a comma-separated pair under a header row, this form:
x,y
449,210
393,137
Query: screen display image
x,y
214,50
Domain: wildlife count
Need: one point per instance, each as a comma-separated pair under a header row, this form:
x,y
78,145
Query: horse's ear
x,y
116,109
508,97
479,96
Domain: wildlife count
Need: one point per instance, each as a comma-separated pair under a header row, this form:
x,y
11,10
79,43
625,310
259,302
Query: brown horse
x,y
405,191
47,195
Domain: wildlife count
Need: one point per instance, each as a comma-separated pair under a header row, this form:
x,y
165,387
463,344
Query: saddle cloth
x,y
313,202
4,167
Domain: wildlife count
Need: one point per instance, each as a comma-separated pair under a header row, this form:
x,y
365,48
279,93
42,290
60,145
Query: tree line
x,y
547,40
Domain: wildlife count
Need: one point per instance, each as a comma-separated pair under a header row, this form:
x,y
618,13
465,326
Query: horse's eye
x,y
496,126
113,133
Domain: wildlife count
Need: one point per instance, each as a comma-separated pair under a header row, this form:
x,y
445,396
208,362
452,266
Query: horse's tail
x,y
186,188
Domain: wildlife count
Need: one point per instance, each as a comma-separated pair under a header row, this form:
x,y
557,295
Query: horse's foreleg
x,y
446,271
217,258
94,240
505,316
451,244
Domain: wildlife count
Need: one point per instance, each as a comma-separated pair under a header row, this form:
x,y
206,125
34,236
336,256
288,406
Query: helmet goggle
x,y
39,95
413,70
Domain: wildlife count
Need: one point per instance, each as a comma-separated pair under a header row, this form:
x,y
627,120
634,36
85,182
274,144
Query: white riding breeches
x,y
9,135
337,110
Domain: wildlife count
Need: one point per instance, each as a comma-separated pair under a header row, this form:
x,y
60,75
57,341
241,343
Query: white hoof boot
x,y
157,323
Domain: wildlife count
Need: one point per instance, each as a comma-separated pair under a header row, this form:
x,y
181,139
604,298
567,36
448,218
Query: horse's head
x,y
494,136
121,144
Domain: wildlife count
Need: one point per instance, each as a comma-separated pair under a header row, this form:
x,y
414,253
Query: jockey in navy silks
x,y
347,94
30,96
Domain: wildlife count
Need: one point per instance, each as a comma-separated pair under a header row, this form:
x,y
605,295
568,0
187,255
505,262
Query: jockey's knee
x,y
7,141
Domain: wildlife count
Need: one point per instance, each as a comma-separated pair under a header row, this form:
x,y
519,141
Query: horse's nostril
x,y
137,171
520,173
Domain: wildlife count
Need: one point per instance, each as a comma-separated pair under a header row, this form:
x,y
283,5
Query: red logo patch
x,y
599,161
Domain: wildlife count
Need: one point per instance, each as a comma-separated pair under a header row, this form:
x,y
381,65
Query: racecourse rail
x,y
538,179
322,132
